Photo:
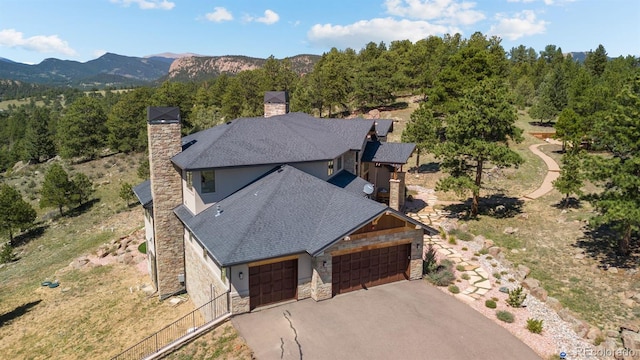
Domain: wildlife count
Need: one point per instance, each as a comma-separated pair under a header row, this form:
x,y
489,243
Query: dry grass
x,y
221,343
552,241
96,311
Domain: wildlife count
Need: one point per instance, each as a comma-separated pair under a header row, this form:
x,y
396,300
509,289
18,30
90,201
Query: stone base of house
x,y
239,304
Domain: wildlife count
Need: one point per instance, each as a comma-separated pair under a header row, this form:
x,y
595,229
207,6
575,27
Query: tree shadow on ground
x,y
497,206
31,234
542,124
601,243
79,210
570,203
6,318
412,204
429,168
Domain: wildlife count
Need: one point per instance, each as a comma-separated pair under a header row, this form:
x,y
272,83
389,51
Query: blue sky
x,y
33,30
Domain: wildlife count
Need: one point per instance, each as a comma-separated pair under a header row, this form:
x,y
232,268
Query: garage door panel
x,y
367,268
272,283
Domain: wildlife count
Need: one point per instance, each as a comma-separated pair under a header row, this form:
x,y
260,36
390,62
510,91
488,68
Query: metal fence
x,y
179,329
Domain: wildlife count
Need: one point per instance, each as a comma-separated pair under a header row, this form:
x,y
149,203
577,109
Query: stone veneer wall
x,y
201,275
272,109
166,187
322,272
350,162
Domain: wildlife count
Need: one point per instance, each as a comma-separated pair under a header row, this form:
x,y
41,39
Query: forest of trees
x,y
470,88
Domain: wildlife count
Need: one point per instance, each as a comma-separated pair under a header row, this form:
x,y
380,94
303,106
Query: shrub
x,y
6,254
598,340
516,297
465,276
460,268
505,316
464,248
490,304
454,289
441,277
497,275
461,235
429,264
535,326
452,240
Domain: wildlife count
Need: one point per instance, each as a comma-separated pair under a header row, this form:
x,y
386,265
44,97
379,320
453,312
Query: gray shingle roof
x,y
143,192
383,127
349,182
285,212
387,153
289,138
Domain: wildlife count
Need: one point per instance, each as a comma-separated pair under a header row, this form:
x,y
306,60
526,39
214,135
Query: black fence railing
x,y
180,328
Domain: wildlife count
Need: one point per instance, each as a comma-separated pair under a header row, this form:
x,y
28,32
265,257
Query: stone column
x,y
321,278
165,141
396,191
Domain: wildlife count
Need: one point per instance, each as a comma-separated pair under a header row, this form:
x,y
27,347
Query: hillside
x,y
199,67
125,70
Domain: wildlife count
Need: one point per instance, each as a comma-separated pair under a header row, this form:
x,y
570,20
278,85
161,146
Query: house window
x,y
189,178
208,178
330,167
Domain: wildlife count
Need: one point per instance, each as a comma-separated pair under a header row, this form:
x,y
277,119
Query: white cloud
x,y
147,4
40,43
381,29
99,52
442,11
219,14
270,17
522,24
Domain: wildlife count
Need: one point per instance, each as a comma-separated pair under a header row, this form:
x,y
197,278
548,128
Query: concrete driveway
x,y
404,320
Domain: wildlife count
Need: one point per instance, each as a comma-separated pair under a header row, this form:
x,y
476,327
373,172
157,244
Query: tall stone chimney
x,y
396,191
276,103
165,141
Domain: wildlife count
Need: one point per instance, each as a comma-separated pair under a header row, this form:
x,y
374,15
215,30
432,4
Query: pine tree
x,y
15,213
82,131
477,134
618,204
56,190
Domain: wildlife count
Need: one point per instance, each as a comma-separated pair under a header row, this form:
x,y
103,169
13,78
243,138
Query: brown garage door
x,y
272,283
368,268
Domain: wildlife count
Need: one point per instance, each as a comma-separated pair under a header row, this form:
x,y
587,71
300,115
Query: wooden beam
x,y
370,247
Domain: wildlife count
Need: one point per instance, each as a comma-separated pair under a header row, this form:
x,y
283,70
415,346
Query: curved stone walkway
x,y
553,171
478,282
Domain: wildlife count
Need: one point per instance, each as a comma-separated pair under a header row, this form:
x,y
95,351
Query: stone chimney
x,y
165,141
396,191
276,103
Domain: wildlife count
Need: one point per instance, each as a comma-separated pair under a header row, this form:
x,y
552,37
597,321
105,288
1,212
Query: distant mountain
x,y
125,71
196,68
112,70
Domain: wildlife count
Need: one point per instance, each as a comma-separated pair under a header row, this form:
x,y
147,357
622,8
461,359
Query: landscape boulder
x,y
530,283
539,293
494,251
554,303
630,339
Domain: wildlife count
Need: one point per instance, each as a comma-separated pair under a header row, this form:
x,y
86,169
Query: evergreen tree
x,y
82,188
81,131
571,178
127,123
126,193
596,61
56,190
618,204
476,135
424,130
15,213
38,143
